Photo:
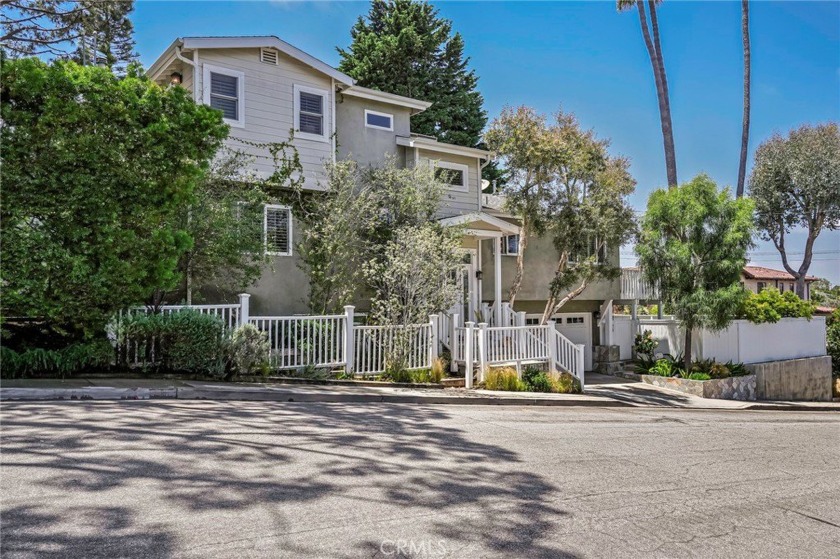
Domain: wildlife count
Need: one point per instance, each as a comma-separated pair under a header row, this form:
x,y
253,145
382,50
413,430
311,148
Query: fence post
x,y
244,308
581,363
434,342
551,338
482,350
349,358
468,353
453,336
520,318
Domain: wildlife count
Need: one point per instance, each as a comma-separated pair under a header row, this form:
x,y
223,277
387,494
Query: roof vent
x,y
269,56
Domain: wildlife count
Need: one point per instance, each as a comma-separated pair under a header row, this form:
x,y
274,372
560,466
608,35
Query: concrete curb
x,y
235,394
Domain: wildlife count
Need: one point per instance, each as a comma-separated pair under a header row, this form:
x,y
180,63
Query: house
x,y
756,278
266,87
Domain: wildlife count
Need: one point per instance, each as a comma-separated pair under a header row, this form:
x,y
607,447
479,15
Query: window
x,y
532,321
761,285
510,245
593,244
225,90
574,320
781,288
381,121
277,230
453,174
310,106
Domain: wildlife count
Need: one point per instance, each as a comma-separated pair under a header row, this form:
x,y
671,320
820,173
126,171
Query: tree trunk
x,y
657,61
687,352
745,128
520,262
552,305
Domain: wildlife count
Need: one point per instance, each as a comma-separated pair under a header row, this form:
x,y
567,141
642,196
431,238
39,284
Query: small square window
x,y
277,230
382,121
510,245
224,90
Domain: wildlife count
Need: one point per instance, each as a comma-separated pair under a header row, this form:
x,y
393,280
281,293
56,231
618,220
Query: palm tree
x,y
654,49
745,129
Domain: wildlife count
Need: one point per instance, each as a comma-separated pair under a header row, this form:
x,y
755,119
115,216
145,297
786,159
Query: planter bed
x,y
731,388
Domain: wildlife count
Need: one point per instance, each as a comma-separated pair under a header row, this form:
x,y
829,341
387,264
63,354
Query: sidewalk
x,y
601,391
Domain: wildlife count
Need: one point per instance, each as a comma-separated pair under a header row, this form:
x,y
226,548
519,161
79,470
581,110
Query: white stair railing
x,y
567,356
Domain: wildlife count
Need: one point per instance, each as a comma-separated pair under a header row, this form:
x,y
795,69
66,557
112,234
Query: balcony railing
x,y
634,286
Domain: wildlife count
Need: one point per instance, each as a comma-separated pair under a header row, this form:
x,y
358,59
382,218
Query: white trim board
x,y
240,90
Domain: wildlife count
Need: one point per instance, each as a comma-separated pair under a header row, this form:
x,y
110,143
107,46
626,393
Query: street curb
x,y
189,393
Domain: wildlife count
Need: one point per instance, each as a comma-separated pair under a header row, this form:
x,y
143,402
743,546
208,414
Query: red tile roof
x,y
762,273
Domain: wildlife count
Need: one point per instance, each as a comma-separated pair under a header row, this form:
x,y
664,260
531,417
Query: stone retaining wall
x,y
732,388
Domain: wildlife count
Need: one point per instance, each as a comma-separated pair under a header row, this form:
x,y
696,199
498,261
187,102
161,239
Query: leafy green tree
x,y
405,47
693,243
823,293
90,32
105,34
770,306
350,227
832,341
795,183
94,170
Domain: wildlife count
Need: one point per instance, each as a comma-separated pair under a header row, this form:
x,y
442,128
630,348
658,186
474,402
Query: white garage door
x,y
578,328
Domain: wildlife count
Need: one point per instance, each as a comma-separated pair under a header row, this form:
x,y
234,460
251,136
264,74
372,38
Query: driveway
x,y
268,479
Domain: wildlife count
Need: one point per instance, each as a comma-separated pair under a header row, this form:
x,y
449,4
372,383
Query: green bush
x,y
184,341
698,376
667,367
504,379
770,306
248,351
832,340
645,344
70,360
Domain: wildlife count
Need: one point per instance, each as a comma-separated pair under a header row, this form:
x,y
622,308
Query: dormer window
x,y
380,121
224,90
310,113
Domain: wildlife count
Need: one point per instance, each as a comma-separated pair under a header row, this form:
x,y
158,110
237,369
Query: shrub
x,y
667,367
503,379
644,363
564,383
541,382
698,376
736,369
248,351
832,340
645,344
438,370
70,360
770,306
184,341
719,370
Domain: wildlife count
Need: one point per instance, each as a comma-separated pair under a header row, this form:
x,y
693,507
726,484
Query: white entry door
x,y
578,328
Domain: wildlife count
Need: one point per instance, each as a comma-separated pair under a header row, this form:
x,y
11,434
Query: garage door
x,y
578,328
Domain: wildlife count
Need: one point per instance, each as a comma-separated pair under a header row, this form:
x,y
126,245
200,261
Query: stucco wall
x,y
368,146
540,263
796,379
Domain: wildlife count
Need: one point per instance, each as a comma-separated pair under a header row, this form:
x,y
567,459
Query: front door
x,y
578,328
468,305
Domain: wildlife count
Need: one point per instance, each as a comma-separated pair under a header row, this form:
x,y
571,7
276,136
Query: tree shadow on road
x,y
349,475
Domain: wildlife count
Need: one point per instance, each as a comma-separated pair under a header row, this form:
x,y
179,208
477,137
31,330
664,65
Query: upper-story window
x,y
224,90
594,248
455,175
380,121
277,230
310,113
760,286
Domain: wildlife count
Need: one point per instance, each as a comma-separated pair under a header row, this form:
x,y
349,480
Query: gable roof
x,y
416,105
248,42
762,273
430,144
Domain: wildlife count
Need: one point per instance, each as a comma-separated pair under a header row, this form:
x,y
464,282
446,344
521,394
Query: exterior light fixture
x,y
175,78
478,275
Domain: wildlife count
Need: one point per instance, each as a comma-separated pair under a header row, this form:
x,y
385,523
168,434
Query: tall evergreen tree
x,y
405,47
106,35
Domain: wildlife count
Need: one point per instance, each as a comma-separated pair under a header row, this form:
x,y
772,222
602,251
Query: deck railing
x,y
634,285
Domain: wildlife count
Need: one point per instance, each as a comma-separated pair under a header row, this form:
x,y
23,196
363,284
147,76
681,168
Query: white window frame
x,y
455,167
297,89
240,93
288,209
505,245
377,113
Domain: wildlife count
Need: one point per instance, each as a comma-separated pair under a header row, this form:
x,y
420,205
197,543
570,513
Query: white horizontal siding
x,y
269,108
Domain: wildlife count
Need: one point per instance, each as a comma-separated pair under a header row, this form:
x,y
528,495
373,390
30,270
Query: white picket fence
x,y
333,341
517,346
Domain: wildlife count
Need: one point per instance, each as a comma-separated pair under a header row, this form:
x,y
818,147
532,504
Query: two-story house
x,y
266,87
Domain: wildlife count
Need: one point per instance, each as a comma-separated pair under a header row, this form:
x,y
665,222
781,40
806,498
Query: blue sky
x,y
588,59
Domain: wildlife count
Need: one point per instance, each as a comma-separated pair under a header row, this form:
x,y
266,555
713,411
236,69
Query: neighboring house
x,y
266,87
756,278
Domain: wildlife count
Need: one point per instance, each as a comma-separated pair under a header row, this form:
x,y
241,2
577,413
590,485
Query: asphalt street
x,y
267,479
